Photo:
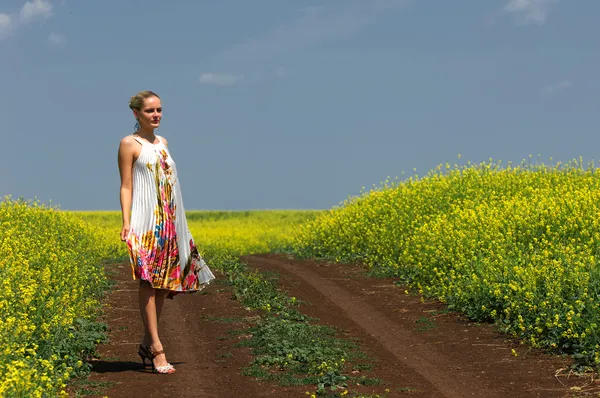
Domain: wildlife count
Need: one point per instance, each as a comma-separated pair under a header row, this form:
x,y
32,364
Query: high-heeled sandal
x,y
144,354
148,353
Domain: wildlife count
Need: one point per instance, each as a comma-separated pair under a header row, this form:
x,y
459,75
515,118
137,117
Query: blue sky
x,y
291,104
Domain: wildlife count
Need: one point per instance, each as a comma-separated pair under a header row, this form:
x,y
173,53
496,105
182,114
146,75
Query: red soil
x,y
418,349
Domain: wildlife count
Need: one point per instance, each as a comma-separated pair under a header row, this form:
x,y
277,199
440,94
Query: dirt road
x,y
418,348
200,349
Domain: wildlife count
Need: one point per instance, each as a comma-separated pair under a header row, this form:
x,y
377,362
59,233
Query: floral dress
x,y
161,249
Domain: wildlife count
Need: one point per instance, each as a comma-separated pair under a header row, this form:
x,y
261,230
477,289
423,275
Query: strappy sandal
x,y
144,353
148,353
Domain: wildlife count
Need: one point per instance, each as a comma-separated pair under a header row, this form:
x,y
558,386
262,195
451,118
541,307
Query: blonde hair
x,y
137,101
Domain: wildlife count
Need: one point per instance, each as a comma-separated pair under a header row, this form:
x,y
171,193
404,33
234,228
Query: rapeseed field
x,y
516,245
233,232
52,275
52,281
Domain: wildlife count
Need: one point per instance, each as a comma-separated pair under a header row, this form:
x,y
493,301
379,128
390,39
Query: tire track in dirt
x,y
199,347
460,359
412,351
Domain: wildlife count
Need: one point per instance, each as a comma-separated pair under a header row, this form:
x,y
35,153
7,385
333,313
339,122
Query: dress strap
x,y
138,140
160,141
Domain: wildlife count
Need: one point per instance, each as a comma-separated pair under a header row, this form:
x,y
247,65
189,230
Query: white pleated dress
x,y
161,248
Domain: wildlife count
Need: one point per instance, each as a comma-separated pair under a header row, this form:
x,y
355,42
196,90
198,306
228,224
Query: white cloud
x,y
36,9
6,25
56,39
31,10
530,11
280,72
565,84
220,79
312,26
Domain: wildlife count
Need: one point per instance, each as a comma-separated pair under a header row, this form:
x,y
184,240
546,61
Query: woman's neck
x,y
146,134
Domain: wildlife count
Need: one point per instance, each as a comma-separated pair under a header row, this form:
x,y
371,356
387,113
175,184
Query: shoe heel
x,y
143,358
143,353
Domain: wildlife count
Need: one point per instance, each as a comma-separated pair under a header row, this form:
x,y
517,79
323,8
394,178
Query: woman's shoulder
x,y
163,140
127,142
128,139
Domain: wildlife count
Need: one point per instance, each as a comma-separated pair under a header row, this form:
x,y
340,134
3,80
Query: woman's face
x,y
150,114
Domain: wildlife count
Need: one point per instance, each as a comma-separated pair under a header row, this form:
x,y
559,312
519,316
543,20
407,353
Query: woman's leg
x,y
151,303
159,300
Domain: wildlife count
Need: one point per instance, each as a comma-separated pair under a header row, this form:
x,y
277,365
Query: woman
x,y
162,251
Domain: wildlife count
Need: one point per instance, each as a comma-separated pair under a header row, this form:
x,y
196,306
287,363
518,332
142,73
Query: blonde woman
x,y
162,252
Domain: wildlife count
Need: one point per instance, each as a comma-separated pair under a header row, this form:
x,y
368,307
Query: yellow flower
x,y
515,243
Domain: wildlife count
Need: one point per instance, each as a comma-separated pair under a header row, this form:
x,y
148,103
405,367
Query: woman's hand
x,y
125,232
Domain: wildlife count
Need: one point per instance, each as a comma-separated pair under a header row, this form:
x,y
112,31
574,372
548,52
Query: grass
x,y
425,324
288,348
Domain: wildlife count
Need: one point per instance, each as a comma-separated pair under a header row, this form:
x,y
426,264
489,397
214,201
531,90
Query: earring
x,y
137,126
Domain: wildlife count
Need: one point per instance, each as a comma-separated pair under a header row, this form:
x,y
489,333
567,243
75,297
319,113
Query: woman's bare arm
x,y
125,158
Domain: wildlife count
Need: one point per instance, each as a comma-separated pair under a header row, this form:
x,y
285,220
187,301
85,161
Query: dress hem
x,y
173,293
